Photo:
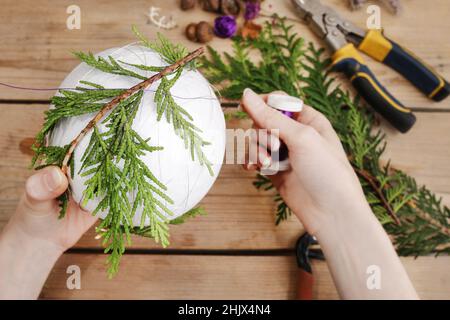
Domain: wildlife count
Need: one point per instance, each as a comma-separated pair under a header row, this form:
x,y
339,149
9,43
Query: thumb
x,y
42,188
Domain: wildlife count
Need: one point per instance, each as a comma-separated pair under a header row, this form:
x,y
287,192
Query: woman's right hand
x,y
321,186
324,192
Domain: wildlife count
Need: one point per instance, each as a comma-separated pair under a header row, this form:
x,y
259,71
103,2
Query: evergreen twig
x,y
111,163
108,106
415,218
373,183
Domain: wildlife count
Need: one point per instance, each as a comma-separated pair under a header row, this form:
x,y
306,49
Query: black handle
x,y
376,95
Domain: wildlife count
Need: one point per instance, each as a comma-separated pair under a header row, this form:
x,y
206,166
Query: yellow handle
x,y
427,80
376,45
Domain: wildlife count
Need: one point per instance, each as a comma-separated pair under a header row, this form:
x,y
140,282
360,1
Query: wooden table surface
x,y
236,251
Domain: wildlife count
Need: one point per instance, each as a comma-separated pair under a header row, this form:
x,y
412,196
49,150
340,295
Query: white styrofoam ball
x,y
186,180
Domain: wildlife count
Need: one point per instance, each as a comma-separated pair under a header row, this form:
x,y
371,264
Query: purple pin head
x,y
225,26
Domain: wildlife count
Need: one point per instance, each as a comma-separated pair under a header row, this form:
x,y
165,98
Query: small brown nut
x,y
187,4
204,32
230,7
191,31
211,5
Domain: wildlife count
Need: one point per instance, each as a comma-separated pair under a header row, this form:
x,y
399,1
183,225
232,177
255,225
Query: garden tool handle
x,y
422,76
349,61
305,285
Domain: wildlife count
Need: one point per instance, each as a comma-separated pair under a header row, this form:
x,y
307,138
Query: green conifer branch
x,y
181,121
112,162
115,171
109,66
413,215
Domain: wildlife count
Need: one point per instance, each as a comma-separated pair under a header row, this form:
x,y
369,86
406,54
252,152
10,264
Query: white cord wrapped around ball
x,y
187,181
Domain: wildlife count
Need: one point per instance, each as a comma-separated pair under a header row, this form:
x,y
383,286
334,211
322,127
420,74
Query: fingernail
x,y
250,167
266,163
53,179
264,160
248,91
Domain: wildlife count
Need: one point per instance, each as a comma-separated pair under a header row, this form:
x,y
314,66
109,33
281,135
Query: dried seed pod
x,y
204,32
250,30
211,5
356,4
187,4
191,31
230,7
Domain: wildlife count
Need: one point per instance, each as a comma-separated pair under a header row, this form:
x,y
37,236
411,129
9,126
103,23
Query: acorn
x,y
211,5
230,7
187,4
191,31
204,32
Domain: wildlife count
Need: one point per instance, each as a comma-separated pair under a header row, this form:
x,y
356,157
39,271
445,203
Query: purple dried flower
x,y
225,26
252,10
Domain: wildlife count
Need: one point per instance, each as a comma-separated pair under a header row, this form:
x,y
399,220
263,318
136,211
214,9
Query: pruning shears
x,y
345,39
306,248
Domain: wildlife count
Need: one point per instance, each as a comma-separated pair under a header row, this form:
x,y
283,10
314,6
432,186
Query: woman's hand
x,y
321,184
36,216
35,237
324,192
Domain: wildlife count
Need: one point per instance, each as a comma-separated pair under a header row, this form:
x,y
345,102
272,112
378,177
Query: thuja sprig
x,y
147,231
111,164
109,65
69,103
411,214
178,58
166,105
168,51
181,120
123,96
114,169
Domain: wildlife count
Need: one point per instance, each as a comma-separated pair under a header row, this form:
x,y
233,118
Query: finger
x,y
265,96
313,118
257,157
268,118
268,139
279,178
264,159
79,217
43,187
250,167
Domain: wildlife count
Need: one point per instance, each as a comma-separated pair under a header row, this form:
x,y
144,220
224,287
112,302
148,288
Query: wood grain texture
x,y
240,217
218,277
36,45
36,50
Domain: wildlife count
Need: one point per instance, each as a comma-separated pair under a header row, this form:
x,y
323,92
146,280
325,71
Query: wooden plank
x,y
36,44
240,217
425,146
218,277
429,285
